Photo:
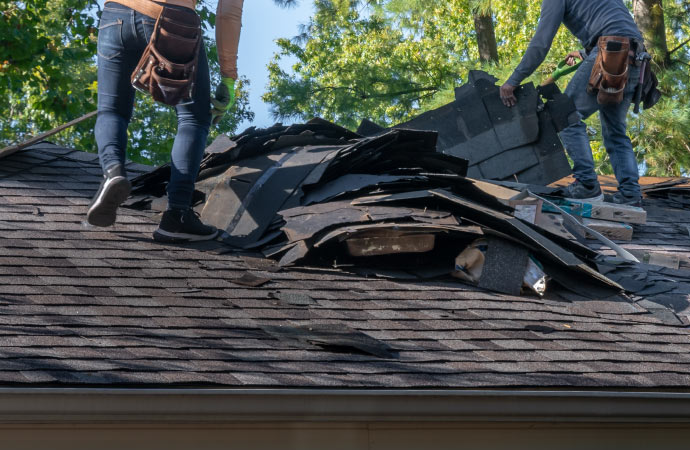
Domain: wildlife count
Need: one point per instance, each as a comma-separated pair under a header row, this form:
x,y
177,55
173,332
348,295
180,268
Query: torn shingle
x,y
335,339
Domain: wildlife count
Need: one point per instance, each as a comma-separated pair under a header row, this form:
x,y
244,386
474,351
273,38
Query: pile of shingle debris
x,y
675,191
389,204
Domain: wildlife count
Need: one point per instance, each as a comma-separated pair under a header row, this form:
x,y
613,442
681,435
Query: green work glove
x,y
224,99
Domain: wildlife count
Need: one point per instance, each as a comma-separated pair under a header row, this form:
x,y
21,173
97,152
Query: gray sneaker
x,y
578,192
622,199
113,191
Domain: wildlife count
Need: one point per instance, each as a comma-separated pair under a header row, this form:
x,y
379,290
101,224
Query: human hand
x,y
507,93
572,58
223,100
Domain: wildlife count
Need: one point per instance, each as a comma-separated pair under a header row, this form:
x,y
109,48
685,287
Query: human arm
x,y
507,93
552,13
228,27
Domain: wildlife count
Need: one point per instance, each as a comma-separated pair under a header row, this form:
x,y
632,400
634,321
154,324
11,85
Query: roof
x,y
88,307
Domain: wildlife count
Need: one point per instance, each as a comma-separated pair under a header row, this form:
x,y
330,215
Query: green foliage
x,y
44,80
48,77
661,138
340,79
389,60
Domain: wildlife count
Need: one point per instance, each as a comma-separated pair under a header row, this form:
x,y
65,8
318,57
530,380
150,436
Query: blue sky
x,y
262,23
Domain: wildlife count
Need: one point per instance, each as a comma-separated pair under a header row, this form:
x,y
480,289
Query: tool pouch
x,y
167,69
610,72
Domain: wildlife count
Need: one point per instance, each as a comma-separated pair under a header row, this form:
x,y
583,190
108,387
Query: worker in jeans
x,y
588,21
124,32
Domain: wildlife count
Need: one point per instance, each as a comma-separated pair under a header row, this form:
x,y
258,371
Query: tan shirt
x,y
228,26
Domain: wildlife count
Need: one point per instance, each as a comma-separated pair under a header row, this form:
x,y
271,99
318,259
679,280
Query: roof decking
x,y
82,306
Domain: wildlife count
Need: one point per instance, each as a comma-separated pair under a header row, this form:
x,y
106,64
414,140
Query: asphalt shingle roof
x,y
84,306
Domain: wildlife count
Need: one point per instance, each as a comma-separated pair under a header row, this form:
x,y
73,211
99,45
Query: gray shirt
x,y
586,19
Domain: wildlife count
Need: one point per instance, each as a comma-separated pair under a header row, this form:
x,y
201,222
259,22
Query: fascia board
x,y
84,405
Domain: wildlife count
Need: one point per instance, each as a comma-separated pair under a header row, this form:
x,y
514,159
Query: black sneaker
x,y
578,192
183,226
113,191
622,199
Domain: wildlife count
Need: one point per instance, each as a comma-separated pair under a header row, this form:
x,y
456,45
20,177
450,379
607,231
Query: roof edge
x,y
85,405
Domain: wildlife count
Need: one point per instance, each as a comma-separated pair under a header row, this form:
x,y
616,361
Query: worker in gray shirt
x,y
589,21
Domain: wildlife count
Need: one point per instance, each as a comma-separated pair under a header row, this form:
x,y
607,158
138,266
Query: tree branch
x,y
362,95
398,93
678,47
286,3
333,88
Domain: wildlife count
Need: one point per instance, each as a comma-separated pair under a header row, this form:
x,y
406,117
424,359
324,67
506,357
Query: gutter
x,y
91,405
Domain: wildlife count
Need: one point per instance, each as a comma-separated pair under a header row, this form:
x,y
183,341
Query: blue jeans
x,y
613,128
122,36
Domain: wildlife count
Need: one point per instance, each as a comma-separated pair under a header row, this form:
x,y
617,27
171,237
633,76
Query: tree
x,y
486,36
45,78
342,80
660,134
389,60
649,16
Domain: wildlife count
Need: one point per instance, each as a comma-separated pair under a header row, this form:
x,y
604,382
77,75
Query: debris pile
x,y
676,191
610,220
389,204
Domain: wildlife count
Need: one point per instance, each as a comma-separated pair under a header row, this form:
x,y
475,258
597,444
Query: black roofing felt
x,y
500,143
83,306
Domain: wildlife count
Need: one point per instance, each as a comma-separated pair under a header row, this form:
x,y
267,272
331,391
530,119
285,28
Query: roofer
x,y
610,36
124,44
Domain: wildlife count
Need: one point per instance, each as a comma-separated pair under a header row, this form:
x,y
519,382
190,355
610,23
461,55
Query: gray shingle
x,y
84,306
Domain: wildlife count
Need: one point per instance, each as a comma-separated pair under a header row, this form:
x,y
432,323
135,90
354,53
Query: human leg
x,y
180,222
575,139
116,60
115,101
193,122
618,145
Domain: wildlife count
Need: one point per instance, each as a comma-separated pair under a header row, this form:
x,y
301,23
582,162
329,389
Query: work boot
x,y
622,199
179,225
114,190
579,192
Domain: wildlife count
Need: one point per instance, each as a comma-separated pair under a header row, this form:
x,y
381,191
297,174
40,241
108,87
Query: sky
x,y
262,23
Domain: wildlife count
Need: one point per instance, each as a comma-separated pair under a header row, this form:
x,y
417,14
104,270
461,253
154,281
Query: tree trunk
x,y
649,15
486,37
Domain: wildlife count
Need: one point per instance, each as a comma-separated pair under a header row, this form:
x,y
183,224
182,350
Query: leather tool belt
x,y
610,71
167,68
